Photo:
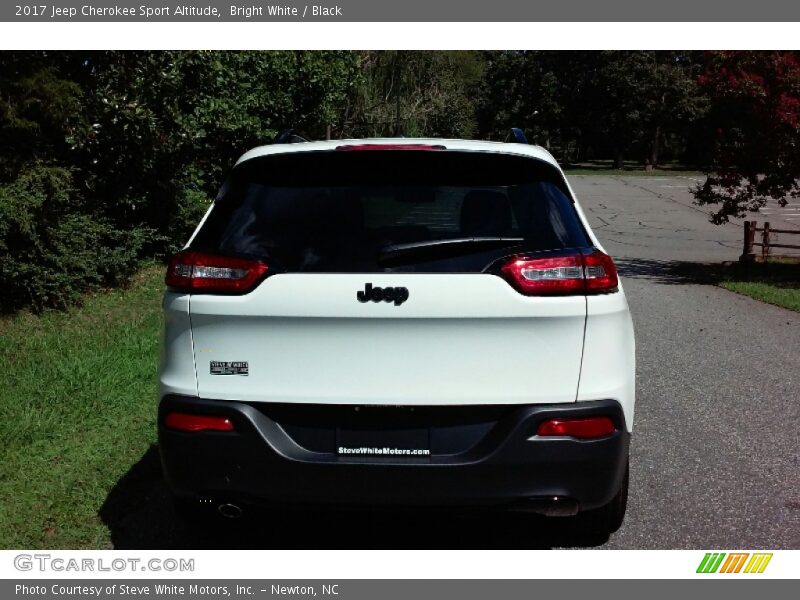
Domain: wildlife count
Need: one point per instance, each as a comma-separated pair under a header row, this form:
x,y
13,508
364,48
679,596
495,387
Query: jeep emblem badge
x,y
398,295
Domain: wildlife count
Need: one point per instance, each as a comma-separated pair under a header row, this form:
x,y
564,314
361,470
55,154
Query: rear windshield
x,y
378,211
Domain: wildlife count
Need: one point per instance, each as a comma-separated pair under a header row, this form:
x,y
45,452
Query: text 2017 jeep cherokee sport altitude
x,y
397,322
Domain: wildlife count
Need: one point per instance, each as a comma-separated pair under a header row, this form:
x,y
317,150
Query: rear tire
x,y
608,519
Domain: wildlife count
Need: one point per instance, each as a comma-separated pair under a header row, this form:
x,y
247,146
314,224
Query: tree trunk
x,y
581,150
619,160
655,147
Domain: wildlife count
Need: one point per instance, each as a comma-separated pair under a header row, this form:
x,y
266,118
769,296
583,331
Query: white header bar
x,y
399,36
389,564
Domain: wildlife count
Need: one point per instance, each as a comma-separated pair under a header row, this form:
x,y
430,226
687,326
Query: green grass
x,y
775,282
773,293
783,292
77,410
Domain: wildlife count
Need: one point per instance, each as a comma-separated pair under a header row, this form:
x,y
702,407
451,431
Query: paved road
x,y
716,448
656,218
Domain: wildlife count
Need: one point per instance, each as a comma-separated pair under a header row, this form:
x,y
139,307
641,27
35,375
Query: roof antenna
x,y
517,135
289,136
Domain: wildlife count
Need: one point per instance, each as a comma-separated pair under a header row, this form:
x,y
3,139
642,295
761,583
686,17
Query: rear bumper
x,y
492,458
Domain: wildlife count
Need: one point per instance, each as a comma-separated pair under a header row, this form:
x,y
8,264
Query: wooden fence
x,y
750,229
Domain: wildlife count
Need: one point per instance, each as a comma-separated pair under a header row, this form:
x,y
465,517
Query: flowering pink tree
x,y
755,116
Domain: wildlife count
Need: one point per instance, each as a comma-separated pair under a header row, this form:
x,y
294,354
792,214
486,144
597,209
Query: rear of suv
x,y
397,322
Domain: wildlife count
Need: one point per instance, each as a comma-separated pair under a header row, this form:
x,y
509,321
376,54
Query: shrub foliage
x,y
109,158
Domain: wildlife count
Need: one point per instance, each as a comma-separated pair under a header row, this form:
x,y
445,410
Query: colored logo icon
x,y
734,562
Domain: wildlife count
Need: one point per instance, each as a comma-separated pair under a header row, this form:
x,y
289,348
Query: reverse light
x,y
564,274
195,423
582,429
196,272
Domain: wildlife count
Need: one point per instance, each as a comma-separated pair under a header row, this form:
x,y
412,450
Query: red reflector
x,y
195,272
350,147
564,274
194,423
592,427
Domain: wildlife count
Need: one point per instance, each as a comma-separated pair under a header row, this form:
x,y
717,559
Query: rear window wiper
x,y
397,254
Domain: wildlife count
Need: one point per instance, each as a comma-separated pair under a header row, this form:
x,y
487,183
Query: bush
x,y
52,248
109,158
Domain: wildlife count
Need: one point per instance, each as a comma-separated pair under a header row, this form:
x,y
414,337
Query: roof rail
x,y
289,136
517,135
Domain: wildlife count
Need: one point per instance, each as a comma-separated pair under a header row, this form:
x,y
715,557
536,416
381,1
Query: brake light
x,y
566,274
583,429
195,423
351,147
195,272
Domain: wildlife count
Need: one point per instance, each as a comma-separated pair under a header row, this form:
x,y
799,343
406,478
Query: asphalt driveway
x,y
716,449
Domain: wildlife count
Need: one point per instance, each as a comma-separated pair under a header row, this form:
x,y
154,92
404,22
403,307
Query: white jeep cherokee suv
x,y
397,322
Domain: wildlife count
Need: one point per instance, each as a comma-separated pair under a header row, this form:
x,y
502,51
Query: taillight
x,y
583,429
600,272
195,272
551,275
195,423
352,147
564,274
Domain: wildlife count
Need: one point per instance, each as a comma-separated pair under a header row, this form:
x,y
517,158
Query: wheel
x,y
608,519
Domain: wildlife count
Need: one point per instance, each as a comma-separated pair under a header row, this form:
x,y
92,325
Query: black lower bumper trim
x,y
482,457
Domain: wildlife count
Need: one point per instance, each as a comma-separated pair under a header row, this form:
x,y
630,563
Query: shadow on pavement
x,y
677,272
781,274
140,515
660,271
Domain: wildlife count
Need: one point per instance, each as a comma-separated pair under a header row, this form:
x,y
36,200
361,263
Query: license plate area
x,y
443,430
404,442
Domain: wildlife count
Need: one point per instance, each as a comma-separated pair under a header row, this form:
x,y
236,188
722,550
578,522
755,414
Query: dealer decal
x,y
229,368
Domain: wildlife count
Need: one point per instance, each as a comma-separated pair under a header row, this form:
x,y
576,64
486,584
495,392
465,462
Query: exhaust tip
x,y
230,511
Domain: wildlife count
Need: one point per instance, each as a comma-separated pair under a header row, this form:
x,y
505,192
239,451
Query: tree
x,y
414,94
613,102
657,94
522,89
754,122
167,126
40,111
111,157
